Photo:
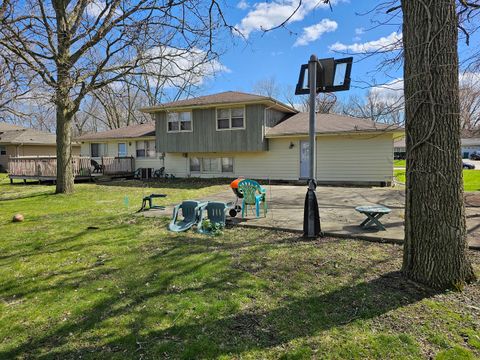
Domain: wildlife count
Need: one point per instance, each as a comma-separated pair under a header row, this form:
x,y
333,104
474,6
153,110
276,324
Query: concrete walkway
x,y
337,214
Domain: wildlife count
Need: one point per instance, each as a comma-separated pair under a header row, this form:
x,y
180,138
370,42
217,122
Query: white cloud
x,y
265,15
385,43
314,32
95,8
390,93
181,65
359,31
242,5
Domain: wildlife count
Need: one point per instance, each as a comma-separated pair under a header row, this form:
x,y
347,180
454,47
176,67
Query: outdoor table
x,y
149,199
373,214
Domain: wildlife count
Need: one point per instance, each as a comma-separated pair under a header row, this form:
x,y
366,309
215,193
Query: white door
x,y
304,164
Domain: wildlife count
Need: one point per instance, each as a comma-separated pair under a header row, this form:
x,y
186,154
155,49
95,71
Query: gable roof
x,y
328,124
223,98
17,135
126,132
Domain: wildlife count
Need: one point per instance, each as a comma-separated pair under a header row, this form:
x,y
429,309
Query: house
x,y
20,141
233,134
137,141
470,145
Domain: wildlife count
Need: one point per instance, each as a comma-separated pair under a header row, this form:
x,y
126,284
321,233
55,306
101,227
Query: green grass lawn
x,y
471,179
128,289
400,163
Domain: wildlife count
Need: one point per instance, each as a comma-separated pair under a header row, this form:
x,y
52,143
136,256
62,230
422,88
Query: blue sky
x,y
315,29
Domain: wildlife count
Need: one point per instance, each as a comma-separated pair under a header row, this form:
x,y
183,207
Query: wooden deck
x,y
44,168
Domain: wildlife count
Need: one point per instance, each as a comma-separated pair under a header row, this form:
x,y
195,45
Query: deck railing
x,y
46,166
118,165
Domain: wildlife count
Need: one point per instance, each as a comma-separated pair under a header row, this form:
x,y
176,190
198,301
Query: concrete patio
x,y
338,217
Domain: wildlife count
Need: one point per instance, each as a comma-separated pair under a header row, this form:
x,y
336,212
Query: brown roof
x,y
132,131
223,98
327,124
16,135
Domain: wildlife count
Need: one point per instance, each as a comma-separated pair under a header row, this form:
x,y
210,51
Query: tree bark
x,y
65,177
435,250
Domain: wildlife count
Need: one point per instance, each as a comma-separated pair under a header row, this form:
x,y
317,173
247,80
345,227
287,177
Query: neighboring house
x,y
19,141
135,140
470,145
233,134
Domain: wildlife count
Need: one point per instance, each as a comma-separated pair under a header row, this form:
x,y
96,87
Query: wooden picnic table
x,y
373,214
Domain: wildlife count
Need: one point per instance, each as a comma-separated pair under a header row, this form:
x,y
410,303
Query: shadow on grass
x,y
11,197
220,333
184,183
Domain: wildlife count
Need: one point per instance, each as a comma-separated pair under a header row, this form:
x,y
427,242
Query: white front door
x,y
304,164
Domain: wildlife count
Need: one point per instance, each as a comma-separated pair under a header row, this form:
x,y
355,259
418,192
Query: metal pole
x,y
311,216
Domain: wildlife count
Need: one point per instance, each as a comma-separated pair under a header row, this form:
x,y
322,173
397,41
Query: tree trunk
x,y
435,230
65,175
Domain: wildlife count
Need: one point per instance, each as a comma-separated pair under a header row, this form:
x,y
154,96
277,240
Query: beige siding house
x,y
235,134
137,141
19,141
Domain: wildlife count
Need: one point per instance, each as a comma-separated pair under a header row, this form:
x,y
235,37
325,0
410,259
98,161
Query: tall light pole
x,y
325,75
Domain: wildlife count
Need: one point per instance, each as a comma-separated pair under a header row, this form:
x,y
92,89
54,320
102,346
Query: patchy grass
x,y
471,179
130,289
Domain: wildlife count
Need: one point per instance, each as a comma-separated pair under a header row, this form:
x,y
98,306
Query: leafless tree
x,y
374,107
76,47
470,102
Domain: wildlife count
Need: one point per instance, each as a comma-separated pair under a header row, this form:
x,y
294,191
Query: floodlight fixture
x,y
332,75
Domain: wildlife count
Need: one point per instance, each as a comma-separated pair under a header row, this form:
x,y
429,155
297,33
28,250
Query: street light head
x,y
332,75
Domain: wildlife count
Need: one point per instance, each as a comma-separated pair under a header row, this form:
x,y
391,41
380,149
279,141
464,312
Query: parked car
x,y
468,166
475,156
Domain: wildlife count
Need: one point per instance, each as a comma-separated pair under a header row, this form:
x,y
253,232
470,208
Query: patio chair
x,y
190,212
215,212
253,195
159,173
96,166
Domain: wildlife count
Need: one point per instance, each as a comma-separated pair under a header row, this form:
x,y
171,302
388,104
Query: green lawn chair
x,y
215,212
190,212
253,195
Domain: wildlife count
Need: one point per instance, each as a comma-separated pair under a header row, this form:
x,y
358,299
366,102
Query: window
x,y
211,165
179,121
194,164
3,150
98,149
230,119
227,165
146,148
122,149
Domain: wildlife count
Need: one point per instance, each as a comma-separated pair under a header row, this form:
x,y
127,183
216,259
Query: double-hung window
x,y
98,149
3,150
146,149
179,121
231,119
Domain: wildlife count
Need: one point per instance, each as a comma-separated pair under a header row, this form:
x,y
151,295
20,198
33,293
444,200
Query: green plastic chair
x,y
215,212
253,195
190,212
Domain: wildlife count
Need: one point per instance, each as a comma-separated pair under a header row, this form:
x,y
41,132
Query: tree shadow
x,y
183,183
222,333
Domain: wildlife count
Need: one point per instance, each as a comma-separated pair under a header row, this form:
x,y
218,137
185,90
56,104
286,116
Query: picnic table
x,y
373,214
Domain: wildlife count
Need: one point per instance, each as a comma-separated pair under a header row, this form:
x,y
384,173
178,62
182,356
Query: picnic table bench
x,y
373,214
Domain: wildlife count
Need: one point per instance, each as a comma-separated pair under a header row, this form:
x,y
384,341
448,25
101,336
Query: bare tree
x,y
470,102
374,107
435,230
76,47
268,87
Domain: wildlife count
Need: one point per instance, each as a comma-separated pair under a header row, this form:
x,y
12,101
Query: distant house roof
x,y
17,135
328,124
127,132
223,98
